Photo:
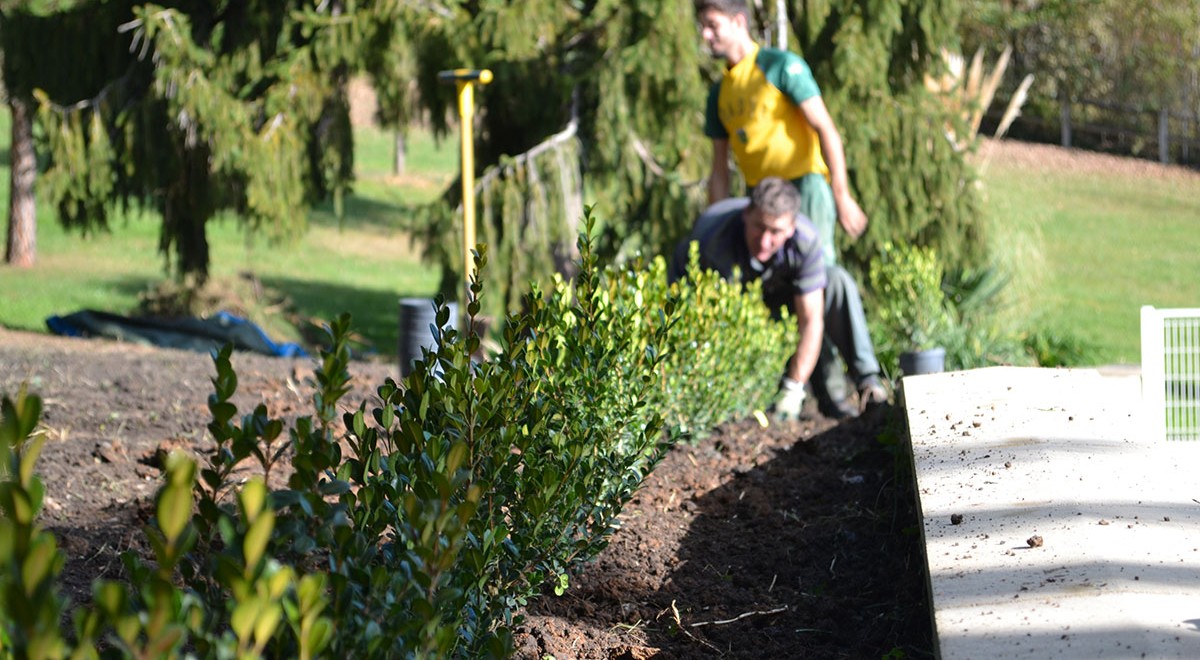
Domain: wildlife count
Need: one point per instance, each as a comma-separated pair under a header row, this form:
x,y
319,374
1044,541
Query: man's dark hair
x,y
727,7
774,197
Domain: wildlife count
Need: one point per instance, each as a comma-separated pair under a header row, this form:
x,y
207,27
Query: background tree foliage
x,y
188,109
28,63
1136,53
613,93
599,101
870,56
241,106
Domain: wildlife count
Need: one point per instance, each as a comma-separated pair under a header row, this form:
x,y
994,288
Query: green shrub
x,y
909,310
151,616
915,305
469,488
728,352
512,471
30,557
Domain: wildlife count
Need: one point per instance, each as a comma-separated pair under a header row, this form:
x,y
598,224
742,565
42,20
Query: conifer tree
x,y
870,58
189,109
24,37
391,64
599,100
239,106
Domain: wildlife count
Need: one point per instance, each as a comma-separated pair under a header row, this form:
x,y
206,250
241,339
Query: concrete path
x,y
1054,527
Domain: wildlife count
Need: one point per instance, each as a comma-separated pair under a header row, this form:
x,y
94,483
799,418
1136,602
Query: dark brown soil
x,y
791,541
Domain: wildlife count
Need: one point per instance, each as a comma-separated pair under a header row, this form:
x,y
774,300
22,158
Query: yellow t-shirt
x,y
756,107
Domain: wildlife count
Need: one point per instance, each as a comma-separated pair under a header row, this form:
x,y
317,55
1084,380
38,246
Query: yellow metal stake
x,y
465,80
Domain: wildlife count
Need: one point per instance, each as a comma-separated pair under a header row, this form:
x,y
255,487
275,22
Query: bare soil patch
x,y
794,540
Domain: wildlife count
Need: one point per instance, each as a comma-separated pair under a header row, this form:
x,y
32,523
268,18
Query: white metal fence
x,y
1171,371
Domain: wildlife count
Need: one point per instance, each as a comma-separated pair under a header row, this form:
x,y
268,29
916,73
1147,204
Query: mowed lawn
x,y
1115,234
362,265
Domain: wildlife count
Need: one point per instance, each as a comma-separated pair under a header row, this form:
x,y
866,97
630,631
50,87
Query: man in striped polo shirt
x,y
766,238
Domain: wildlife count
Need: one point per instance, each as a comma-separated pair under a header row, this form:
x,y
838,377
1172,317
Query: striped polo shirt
x,y
797,268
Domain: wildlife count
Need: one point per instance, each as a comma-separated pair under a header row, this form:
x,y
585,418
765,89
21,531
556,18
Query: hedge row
x,y
419,527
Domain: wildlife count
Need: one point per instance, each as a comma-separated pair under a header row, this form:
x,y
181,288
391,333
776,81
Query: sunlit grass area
x,y
1109,243
362,265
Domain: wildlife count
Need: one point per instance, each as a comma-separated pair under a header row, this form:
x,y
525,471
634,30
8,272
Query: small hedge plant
x,y
421,526
728,352
916,305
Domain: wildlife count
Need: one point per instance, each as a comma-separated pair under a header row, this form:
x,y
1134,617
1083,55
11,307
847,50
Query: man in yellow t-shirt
x,y
767,109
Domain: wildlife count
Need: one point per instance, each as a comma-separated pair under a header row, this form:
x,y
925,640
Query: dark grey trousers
x,y
845,330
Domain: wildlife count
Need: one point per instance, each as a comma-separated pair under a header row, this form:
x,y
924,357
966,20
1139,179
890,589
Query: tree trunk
x,y
186,211
22,210
400,162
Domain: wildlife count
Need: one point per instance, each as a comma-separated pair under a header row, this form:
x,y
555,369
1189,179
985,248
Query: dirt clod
x,y
109,451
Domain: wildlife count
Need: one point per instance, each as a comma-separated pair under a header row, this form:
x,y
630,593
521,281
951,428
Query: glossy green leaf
x,y
174,510
258,535
253,498
244,616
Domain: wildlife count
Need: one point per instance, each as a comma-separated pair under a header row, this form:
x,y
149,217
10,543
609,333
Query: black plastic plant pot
x,y
927,361
417,320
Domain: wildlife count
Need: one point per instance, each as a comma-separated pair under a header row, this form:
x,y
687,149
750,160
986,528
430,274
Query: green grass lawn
x,y
1108,245
363,267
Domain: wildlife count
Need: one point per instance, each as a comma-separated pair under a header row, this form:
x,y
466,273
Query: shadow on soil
x,y
791,541
815,553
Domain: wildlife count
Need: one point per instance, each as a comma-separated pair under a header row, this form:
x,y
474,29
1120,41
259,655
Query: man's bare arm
x,y
810,322
718,178
850,214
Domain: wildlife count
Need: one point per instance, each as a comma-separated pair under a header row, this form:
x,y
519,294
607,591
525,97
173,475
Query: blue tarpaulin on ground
x,y
189,333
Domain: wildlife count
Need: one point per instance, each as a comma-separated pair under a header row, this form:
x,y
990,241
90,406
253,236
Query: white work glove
x,y
789,399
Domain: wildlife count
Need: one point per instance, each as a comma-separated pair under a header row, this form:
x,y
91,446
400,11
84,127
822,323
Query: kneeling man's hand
x,y
789,400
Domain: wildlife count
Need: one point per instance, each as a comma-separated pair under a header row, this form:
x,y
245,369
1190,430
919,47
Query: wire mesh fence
x,y
1171,371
